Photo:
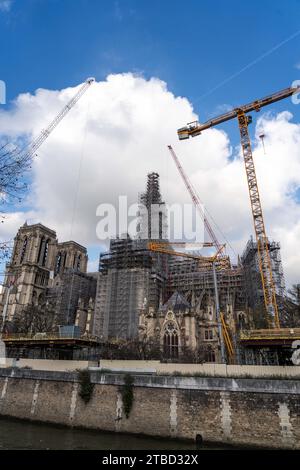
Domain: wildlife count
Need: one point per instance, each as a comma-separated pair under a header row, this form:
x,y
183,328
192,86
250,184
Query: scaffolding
x,y
66,291
252,277
134,278
131,278
191,278
152,211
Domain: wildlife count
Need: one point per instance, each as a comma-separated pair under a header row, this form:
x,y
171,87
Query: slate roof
x,y
177,302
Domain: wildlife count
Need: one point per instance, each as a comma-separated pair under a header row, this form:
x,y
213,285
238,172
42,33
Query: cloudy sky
x,y
120,129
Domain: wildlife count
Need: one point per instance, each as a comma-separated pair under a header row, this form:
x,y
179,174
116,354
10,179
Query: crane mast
x,y
195,198
264,259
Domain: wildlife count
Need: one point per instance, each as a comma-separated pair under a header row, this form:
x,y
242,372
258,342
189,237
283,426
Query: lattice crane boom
x,y
195,198
44,134
205,261
21,160
264,259
195,128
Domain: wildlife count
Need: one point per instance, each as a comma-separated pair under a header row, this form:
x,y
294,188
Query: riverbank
x,y
237,411
16,434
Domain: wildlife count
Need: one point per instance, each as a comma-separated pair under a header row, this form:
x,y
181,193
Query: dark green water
x,y
26,435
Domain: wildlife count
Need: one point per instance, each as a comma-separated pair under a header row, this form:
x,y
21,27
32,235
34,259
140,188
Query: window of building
x,y
23,252
41,299
210,356
208,334
34,298
171,343
41,250
58,263
45,254
242,322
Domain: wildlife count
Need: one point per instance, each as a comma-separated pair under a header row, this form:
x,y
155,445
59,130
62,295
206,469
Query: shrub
x,y
127,394
86,386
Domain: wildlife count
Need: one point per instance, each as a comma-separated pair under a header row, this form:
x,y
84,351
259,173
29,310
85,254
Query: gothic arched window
x,y
41,300
171,342
45,254
41,250
242,322
23,252
34,298
58,263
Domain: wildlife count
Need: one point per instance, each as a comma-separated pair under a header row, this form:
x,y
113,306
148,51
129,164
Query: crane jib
x,y
194,129
263,253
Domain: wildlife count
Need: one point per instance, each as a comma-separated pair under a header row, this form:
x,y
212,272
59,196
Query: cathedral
x,y
186,330
158,298
47,275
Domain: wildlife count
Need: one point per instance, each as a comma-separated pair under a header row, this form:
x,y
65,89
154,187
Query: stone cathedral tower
x,y
37,259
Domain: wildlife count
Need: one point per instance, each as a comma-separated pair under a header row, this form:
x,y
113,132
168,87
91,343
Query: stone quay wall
x,y
237,411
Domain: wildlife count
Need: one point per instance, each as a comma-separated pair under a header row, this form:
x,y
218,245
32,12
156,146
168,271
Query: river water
x,y
18,435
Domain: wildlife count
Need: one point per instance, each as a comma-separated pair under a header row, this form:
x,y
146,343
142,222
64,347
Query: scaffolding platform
x,y
46,339
270,337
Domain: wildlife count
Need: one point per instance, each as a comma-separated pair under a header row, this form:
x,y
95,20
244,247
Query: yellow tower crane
x,y
195,128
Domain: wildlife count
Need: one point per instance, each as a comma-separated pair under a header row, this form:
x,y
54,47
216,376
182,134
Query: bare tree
x,y
5,250
13,166
132,349
33,319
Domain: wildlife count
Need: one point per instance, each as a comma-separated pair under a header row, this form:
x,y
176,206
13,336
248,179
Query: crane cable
x,y
75,199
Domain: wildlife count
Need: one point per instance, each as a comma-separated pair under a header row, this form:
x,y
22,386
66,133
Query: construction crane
x,y
166,248
196,200
195,128
22,159
206,262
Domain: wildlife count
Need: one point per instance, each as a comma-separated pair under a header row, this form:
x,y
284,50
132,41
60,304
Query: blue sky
x,y
193,46
216,54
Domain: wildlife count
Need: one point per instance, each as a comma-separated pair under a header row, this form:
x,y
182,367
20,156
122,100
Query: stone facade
x,y
243,412
40,266
179,327
72,296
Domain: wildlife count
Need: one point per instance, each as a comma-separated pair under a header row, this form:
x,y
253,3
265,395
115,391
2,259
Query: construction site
x,y
156,291
241,306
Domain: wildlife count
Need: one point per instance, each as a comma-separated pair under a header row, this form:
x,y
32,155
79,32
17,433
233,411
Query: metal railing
x,y
280,333
46,336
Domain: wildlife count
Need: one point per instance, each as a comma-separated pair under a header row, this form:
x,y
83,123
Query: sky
x,y
158,65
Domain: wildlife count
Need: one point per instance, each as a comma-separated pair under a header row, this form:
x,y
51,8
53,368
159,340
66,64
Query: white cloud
x,y
221,108
5,5
298,66
119,131
117,11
